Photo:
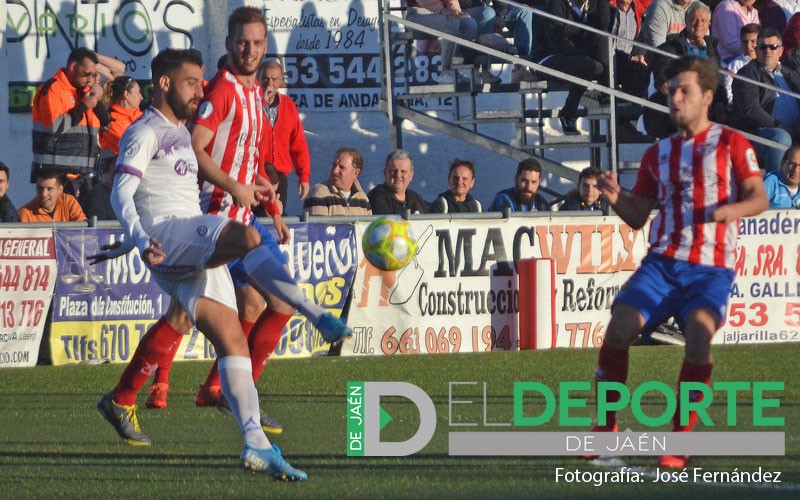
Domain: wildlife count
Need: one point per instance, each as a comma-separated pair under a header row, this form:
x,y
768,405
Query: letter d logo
x,y
374,416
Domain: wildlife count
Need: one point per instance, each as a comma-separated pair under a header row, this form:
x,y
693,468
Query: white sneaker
x,y
447,77
522,74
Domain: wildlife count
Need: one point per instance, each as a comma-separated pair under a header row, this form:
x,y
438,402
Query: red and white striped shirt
x,y
234,113
690,178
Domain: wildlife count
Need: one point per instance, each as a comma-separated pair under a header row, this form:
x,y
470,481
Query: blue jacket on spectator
x,y
508,198
778,192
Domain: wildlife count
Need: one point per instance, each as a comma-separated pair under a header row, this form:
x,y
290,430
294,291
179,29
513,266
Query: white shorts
x,y
188,243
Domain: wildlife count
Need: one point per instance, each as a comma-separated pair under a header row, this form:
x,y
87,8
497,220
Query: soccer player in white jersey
x,y
227,132
701,180
185,249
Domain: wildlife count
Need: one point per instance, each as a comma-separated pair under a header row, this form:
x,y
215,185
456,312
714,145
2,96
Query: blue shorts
x,y
238,272
663,287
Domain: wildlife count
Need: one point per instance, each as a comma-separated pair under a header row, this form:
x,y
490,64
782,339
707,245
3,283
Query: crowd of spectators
x,y
81,112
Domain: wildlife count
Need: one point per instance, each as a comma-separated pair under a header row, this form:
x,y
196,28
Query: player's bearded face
x,y
183,102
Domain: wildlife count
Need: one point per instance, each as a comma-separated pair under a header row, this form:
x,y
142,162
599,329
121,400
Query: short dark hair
x,y
169,60
245,15
707,74
528,164
786,155
4,168
589,173
769,33
355,155
749,29
45,173
78,54
222,61
458,162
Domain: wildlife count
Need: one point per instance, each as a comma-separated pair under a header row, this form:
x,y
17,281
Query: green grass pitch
x,y
53,442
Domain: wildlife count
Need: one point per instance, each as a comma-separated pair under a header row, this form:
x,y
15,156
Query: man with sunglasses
x,y
764,111
65,117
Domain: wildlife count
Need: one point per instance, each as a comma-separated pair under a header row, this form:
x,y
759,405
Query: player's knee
x,y
251,238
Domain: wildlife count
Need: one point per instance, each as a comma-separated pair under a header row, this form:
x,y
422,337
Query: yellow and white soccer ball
x,y
389,244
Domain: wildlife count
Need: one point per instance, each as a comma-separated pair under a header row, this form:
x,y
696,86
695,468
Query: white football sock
x,y
271,275
236,377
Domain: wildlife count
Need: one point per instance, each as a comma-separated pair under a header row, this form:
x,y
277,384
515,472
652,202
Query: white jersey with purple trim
x,y
160,154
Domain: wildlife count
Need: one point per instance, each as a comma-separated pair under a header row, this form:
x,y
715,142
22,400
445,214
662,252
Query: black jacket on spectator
x,y
554,38
446,204
676,44
752,105
658,124
383,202
573,201
8,212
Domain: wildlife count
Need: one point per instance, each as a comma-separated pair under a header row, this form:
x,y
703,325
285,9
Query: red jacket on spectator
x,y
639,6
285,144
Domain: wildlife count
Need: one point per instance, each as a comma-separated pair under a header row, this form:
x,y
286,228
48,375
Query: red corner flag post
x,y
537,305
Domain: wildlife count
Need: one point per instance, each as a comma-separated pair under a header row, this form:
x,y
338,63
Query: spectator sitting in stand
x,y
729,17
8,212
519,22
446,16
694,40
573,50
394,196
51,203
783,186
341,194
524,196
763,111
661,19
457,199
748,37
587,196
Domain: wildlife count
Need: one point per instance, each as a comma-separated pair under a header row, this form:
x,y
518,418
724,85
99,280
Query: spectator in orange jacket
x,y
124,99
65,117
51,203
284,141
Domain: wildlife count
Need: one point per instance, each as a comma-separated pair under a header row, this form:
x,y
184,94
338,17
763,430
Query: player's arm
x,y
753,201
634,210
243,195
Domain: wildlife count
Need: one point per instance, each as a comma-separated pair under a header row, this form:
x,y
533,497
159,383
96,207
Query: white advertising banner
x,y
460,294
764,305
27,277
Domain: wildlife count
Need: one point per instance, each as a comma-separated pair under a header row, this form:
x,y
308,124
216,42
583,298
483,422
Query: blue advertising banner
x,y
100,312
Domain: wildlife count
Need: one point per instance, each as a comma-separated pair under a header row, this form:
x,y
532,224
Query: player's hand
x,y
153,255
609,186
264,191
245,195
302,190
282,229
723,214
109,252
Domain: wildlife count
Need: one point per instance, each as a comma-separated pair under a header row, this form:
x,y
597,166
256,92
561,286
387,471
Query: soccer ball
x,y
389,244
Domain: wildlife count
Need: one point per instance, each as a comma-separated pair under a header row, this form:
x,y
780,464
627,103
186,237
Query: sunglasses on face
x,y
770,46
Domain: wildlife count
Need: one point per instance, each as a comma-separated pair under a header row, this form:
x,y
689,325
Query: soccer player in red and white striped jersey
x,y
701,180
